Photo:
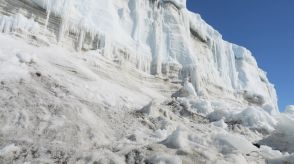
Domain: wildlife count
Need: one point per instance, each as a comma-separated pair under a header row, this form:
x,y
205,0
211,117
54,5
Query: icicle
x,y
195,78
7,26
137,19
48,5
61,31
18,22
81,40
47,18
2,23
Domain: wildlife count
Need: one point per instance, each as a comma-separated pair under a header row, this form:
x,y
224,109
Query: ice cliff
x,y
114,65
160,37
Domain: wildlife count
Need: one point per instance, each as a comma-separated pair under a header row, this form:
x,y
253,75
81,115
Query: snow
x,y
149,109
252,117
188,87
152,35
269,152
221,123
13,67
165,159
9,151
106,102
257,118
187,90
103,93
219,114
282,138
275,156
228,143
201,106
178,139
290,109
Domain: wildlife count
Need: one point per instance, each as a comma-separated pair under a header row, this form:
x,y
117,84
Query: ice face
x,y
18,22
160,37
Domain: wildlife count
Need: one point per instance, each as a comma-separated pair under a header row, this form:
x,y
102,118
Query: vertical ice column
x,y
48,11
193,70
190,72
195,78
137,20
81,40
157,36
65,7
225,60
233,70
157,25
108,48
62,29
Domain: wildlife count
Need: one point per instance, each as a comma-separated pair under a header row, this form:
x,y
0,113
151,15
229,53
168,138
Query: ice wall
x,y
163,38
18,22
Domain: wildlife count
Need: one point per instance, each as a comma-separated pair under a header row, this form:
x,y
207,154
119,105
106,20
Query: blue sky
x,y
266,27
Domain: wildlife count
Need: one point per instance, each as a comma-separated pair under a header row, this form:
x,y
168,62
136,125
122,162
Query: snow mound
x,y
149,109
282,138
221,123
178,139
201,106
25,57
219,114
186,91
290,109
255,118
9,152
275,156
13,67
228,143
188,87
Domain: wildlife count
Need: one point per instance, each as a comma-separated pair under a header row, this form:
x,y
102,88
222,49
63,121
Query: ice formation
x,y
160,37
18,22
92,86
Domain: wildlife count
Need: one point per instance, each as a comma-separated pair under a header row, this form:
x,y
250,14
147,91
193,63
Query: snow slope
x,y
131,81
67,107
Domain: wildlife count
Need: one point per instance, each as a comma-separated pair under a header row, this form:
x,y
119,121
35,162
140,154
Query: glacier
x,y
131,81
164,38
